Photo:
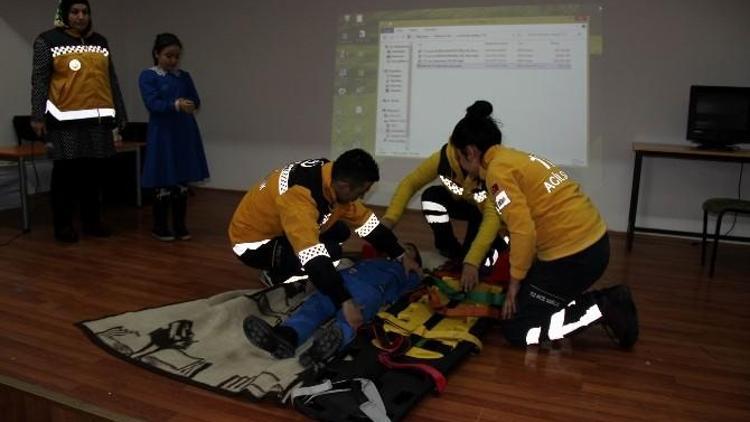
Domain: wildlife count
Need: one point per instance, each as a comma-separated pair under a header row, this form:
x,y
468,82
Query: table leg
x,y
634,199
138,199
23,189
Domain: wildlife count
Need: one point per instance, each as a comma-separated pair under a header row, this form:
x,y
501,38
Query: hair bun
x,y
480,109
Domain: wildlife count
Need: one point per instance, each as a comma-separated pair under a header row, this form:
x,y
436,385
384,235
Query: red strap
x,y
434,298
466,310
437,377
462,309
390,344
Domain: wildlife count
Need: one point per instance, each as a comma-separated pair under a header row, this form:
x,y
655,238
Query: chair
x,y
22,126
719,206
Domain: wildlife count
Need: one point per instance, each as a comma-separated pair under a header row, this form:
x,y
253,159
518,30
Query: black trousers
x,y
442,229
551,303
278,257
81,179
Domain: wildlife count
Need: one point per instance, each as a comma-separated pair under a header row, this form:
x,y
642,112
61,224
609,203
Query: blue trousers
x,y
372,284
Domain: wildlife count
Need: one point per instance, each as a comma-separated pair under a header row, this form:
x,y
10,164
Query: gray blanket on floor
x,y
202,341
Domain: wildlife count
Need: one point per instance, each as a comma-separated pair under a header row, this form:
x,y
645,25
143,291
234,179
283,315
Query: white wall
x,y
15,70
265,72
15,83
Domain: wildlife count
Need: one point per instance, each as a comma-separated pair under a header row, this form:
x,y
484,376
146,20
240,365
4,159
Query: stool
x,y
719,206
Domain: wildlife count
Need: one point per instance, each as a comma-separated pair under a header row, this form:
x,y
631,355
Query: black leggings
x,y
77,178
459,209
551,286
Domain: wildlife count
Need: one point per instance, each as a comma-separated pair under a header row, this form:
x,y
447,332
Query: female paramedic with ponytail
x,y
560,242
459,196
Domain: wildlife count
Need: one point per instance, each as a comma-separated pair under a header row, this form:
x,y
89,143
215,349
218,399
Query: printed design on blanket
x,y
202,342
165,350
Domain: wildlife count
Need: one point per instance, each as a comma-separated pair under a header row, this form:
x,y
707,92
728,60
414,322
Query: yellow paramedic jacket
x,y
298,202
80,86
547,214
443,165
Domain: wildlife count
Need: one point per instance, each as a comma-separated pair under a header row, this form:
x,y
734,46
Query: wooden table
x,y
683,152
21,153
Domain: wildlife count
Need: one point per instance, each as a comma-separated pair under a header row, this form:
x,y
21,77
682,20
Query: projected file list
x,y
418,63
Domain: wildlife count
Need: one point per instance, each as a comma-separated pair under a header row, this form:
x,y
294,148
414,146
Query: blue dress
x,y
174,149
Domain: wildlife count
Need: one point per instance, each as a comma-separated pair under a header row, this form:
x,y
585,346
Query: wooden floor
x,y
691,363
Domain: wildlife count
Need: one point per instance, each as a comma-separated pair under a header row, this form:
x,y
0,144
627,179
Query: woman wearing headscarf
x,y
75,105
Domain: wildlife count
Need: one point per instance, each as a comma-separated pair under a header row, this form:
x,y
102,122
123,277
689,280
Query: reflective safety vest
x,y
298,202
447,176
80,86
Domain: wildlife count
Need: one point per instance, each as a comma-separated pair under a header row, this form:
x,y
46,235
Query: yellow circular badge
x,y
74,65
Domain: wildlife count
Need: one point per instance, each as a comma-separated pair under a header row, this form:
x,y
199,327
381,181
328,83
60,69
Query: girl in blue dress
x,y
174,150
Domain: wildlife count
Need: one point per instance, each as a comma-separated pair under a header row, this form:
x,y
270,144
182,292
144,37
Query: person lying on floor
x,y
372,284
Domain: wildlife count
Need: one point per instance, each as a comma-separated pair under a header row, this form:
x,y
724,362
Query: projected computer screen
x,y
404,78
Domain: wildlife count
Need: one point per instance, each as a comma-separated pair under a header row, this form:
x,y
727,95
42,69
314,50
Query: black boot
x,y
326,343
619,314
161,214
90,183
278,341
179,211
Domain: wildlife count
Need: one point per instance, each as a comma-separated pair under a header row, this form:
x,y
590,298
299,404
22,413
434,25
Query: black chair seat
x,y
22,127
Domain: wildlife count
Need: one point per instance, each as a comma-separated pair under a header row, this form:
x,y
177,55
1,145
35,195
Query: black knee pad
x,y
435,194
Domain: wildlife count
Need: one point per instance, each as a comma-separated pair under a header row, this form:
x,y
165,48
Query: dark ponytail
x,y
477,128
480,110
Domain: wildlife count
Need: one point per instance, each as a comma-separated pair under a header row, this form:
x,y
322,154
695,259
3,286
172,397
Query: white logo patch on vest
x,y
501,201
74,65
310,163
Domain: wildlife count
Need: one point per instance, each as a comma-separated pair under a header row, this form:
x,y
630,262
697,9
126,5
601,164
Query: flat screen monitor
x,y
719,116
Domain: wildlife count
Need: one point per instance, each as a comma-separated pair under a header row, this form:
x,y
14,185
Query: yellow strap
x,y
449,331
390,328
456,336
420,353
396,325
414,316
416,312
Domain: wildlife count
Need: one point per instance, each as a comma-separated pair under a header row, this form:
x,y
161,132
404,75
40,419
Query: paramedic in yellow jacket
x,y
75,105
458,196
292,223
560,243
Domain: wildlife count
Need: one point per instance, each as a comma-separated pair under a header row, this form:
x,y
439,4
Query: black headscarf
x,y
63,9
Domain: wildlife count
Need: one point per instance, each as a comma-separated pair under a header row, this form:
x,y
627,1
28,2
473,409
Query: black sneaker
x,y
165,235
96,230
182,234
326,343
619,315
66,235
261,334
